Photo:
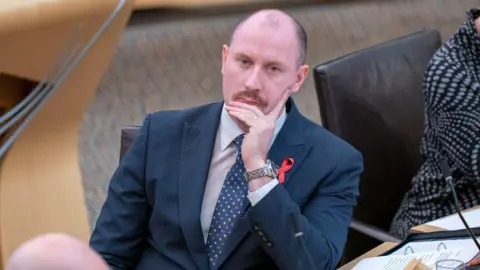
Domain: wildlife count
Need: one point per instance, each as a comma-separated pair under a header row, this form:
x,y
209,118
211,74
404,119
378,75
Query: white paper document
x,y
453,222
436,245
399,262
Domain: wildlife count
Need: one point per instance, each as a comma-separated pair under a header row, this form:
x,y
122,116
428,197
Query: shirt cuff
x,y
258,194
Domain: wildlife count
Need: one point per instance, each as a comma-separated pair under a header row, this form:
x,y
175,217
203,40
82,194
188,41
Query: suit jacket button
x,y
265,239
260,233
256,227
268,244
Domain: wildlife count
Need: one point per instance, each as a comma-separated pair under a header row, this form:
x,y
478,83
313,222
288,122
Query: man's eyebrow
x,y
240,54
274,63
267,62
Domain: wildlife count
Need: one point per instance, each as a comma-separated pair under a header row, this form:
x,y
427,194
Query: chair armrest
x,y
373,232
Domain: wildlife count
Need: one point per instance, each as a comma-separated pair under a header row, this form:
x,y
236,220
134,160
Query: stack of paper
x,y
453,222
428,252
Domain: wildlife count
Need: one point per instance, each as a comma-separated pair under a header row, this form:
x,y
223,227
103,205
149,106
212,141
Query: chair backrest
x,y
373,99
129,133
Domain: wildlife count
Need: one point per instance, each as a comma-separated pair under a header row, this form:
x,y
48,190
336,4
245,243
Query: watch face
x,y
272,168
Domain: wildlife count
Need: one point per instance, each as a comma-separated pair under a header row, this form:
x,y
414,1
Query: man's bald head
x,y
55,252
265,59
274,19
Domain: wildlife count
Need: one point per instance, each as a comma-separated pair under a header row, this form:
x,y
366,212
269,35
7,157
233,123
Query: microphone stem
x,y
457,206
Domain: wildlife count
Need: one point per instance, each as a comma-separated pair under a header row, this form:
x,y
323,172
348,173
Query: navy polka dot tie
x,y
229,206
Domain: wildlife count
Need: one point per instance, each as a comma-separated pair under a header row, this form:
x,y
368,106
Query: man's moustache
x,y
253,97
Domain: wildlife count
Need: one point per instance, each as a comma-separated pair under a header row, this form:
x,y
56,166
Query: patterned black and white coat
x,y
452,130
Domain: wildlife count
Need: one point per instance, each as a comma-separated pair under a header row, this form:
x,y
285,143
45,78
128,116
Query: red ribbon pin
x,y
287,164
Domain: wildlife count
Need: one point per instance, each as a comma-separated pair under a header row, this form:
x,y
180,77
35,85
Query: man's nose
x,y
253,81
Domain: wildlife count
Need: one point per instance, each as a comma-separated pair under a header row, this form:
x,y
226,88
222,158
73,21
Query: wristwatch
x,y
269,170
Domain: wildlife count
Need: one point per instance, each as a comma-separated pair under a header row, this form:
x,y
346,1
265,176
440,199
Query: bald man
x,y
55,252
199,188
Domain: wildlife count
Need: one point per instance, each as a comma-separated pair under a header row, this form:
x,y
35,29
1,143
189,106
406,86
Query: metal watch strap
x,y
267,170
255,174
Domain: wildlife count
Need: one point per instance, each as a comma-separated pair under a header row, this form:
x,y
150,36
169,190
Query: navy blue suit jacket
x,y
151,217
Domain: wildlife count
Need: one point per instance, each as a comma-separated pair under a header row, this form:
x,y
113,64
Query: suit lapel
x,y
290,143
196,153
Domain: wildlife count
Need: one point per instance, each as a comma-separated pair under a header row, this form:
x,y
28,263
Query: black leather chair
x,y
373,99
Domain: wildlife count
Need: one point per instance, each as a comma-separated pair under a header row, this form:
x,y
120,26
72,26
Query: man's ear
x,y
301,76
224,55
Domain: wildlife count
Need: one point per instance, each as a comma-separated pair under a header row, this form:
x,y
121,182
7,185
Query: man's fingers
x,y
242,117
245,112
249,107
277,110
240,110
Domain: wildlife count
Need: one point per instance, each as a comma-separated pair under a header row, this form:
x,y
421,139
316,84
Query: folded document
x,y
427,252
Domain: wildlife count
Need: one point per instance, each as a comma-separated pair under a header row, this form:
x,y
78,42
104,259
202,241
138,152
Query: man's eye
x,y
244,62
274,69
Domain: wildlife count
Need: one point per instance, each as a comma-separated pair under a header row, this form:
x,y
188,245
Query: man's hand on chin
x,y
259,136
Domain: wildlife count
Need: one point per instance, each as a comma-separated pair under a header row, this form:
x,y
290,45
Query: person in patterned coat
x,y
452,131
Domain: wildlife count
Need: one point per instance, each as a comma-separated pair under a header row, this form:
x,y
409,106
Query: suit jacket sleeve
x,y
119,235
324,220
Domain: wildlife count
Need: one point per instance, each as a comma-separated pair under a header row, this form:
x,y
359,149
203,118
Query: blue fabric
x,y
229,206
151,218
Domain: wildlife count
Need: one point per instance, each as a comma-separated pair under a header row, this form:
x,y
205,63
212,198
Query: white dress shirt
x,y
223,158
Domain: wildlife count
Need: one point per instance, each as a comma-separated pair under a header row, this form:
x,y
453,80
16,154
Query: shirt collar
x,y
229,130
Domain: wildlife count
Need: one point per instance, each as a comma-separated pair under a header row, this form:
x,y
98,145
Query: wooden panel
x,y
40,41
39,13
148,4
40,182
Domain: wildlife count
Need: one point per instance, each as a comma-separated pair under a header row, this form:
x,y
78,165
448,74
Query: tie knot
x,y
238,141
